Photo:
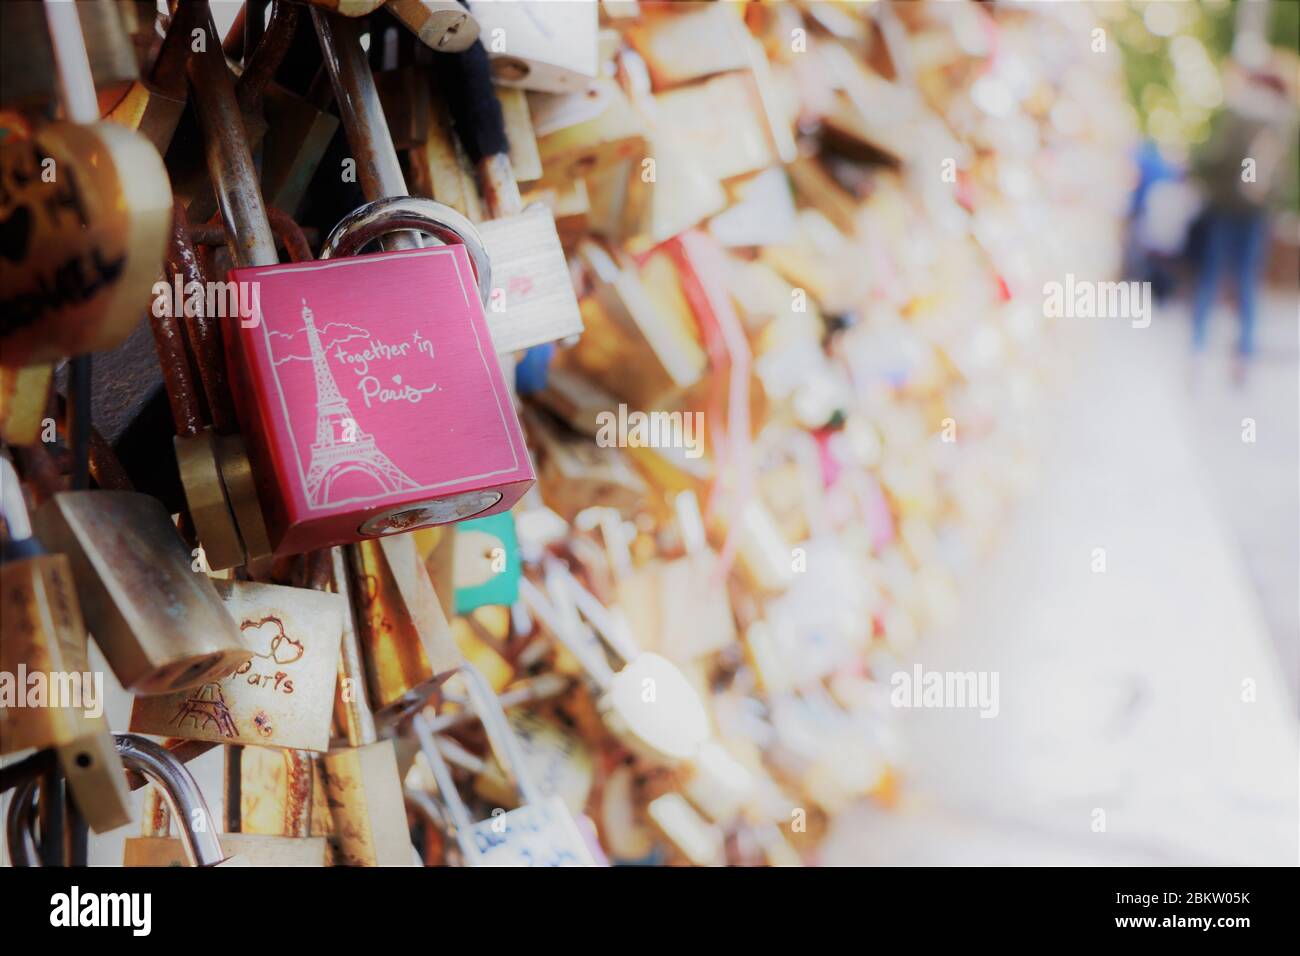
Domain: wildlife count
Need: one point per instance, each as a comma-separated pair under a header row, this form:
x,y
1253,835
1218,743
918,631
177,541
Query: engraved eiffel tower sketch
x,y
340,445
204,708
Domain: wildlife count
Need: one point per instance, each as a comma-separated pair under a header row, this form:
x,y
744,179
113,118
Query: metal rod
x,y
225,148
378,171
80,104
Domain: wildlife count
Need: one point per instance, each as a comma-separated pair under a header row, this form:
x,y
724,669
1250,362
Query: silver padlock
x,y
538,832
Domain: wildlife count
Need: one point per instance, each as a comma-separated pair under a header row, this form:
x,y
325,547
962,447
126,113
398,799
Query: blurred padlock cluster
x,y
514,433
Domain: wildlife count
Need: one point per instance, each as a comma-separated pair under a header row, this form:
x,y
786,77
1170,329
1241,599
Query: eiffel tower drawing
x,y
340,445
204,708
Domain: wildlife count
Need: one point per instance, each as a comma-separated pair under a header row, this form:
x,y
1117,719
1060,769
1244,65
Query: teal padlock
x,y
486,562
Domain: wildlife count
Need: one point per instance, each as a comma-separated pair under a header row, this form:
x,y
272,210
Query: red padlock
x,y
368,388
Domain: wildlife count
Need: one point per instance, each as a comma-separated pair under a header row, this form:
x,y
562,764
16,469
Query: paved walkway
x,y
1120,691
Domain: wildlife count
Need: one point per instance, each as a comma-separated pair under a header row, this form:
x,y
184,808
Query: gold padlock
x,y
361,779
43,652
678,607
291,845
158,620
405,640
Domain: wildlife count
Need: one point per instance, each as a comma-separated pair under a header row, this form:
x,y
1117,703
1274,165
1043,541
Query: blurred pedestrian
x,y
1243,172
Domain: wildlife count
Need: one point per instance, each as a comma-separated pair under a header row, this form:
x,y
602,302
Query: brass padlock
x,y
361,779
24,397
158,620
292,846
43,651
575,473
646,305
196,452
540,831
282,696
406,643
440,166
580,133
181,796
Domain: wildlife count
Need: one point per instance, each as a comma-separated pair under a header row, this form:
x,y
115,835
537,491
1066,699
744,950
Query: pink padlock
x,y
367,386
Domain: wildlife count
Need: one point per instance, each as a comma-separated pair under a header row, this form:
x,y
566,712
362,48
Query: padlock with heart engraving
x,y
282,696
539,831
56,701
85,208
369,390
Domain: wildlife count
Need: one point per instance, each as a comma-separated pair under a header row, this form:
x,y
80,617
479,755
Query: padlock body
x,y
282,696
54,700
249,849
156,617
372,398
365,800
89,209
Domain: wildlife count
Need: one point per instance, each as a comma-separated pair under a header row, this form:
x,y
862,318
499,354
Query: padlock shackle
x,y
501,736
180,792
595,665
20,822
267,55
461,823
203,332
372,220
529,690
167,71
358,719
503,743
